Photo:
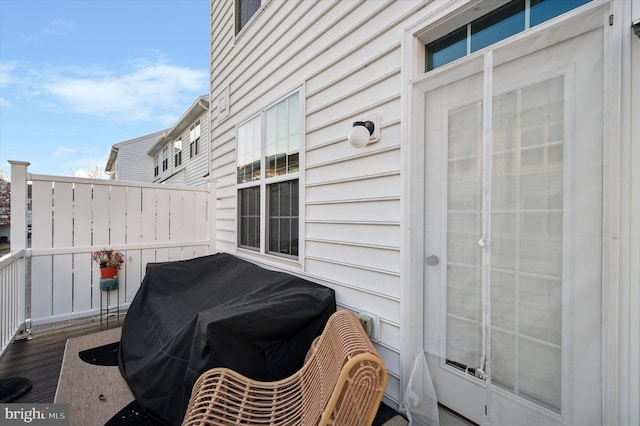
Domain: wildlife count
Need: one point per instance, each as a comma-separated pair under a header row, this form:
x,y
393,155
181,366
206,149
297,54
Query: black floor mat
x,y
101,355
384,414
12,388
131,415
134,415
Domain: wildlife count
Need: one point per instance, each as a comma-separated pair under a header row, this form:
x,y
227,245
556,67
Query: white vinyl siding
x,y
347,55
133,163
358,58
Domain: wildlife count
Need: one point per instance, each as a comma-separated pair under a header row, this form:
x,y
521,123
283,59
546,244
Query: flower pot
x,y
108,272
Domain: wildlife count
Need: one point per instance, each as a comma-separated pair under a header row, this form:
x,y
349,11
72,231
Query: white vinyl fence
x,y
11,297
73,217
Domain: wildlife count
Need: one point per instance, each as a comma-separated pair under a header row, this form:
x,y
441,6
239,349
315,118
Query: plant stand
x,y
107,286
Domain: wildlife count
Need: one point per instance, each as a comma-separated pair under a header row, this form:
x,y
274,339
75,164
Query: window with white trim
x,y
156,166
194,138
177,153
165,158
245,9
267,179
509,19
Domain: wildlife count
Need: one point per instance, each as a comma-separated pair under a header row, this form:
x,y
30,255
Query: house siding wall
x,y
193,170
346,56
133,163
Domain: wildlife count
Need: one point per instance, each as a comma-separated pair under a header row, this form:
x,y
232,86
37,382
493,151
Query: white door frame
x,y
620,354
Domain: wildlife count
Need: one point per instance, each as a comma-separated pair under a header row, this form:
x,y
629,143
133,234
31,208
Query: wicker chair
x,y
341,383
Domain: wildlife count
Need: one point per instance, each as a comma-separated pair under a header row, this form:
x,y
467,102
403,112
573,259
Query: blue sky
x,y
78,76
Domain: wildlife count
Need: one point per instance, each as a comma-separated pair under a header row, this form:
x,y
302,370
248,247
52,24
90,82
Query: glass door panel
x,y
513,230
526,241
464,220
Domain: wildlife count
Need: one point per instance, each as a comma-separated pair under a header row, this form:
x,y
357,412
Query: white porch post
x,y
19,226
211,217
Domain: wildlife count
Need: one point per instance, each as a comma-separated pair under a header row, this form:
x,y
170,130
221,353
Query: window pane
x,y
447,49
248,151
543,10
249,220
464,223
527,239
283,218
245,9
282,137
497,25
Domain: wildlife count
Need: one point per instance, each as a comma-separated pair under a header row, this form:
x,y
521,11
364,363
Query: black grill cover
x,y
215,311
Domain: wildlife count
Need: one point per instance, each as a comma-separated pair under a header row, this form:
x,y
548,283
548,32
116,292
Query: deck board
x,y
39,359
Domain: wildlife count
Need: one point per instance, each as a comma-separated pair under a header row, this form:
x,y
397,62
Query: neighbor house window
x,y
165,158
156,167
505,21
177,153
245,9
194,137
267,178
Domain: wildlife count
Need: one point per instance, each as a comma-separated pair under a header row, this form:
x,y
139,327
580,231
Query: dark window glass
x,y
543,10
447,49
245,9
194,148
497,25
249,223
283,218
503,22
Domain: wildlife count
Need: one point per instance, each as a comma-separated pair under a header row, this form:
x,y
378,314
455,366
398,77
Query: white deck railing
x,y
73,217
12,300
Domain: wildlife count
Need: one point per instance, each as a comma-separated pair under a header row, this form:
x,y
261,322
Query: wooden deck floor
x,y
39,359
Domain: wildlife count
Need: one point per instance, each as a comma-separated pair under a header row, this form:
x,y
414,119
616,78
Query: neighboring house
x,y
128,160
180,155
5,233
493,222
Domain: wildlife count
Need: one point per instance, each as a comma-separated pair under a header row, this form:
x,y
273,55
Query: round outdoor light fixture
x,y
361,133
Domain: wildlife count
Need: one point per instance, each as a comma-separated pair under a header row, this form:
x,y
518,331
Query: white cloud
x,y
5,103
58,27
95,173
7,70
62,151
54,28
89,167
144,93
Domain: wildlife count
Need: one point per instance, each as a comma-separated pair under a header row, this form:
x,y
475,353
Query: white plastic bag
x,y
420,401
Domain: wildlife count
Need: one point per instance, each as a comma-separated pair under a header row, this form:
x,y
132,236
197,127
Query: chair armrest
x,y
357,394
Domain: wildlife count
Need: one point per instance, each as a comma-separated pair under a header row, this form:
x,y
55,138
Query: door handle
x,y
432,260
